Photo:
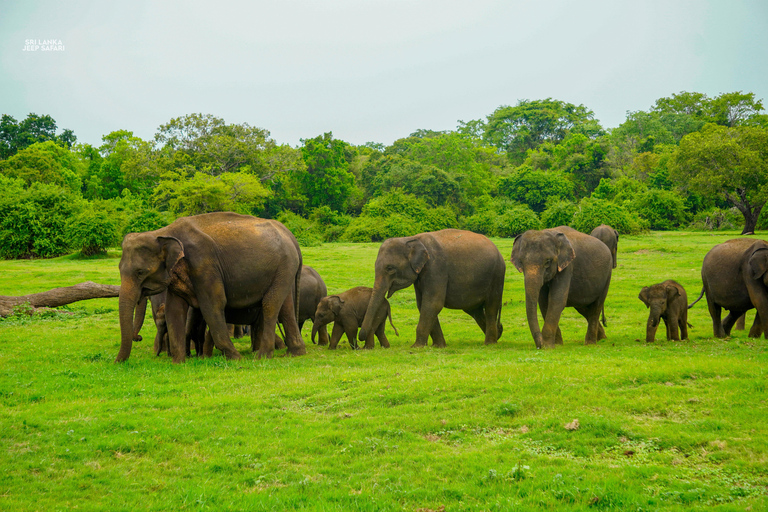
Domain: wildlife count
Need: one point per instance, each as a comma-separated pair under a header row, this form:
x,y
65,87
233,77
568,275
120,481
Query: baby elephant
x,y
347,311
669,302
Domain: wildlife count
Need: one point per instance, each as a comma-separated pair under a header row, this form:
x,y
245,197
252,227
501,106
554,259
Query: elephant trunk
x,y
315,327
128,298
533,284
377,299
652,325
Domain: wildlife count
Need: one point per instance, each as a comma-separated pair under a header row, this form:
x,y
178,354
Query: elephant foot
x,y
490,342
384,344
590,342
419,345
439,345
298,351
234,356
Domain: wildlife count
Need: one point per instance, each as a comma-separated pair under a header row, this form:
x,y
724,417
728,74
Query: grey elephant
x,y
313,290
735,277
231,267
610,237
562,268
666,301
347,310
452,269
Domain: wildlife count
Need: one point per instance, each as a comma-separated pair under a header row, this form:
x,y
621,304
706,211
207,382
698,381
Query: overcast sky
x,y
367,70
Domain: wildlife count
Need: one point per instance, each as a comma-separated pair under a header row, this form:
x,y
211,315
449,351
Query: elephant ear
x,y
672,292
644,296
617,235
335,302
417,255
565,252
172,249
758,260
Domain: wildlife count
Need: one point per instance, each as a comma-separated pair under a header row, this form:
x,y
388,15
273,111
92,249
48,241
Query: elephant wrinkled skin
x,y
231,267
562,268
450,268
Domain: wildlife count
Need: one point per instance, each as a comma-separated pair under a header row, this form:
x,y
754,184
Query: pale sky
x,y
367,70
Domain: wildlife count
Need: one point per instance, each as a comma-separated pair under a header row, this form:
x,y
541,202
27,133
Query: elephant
x,y
562,268
313,290
609,237
231,267
347,310
669,302
735,277
449,268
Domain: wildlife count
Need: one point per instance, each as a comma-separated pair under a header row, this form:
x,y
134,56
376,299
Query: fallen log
x,y
58,296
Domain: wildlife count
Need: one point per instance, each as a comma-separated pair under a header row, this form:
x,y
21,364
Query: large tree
x,y
728,162
326,179
15,136
529,124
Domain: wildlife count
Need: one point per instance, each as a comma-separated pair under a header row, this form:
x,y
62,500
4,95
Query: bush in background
x,y
558,213
590,213
92,231
33,220
719,219
664,210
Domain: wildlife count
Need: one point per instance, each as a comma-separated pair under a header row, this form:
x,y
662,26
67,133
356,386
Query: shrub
x,y
92,231
33,221
503,219
664,210
516,221
719,219
558,213
590,213
365,229
306,232
146,220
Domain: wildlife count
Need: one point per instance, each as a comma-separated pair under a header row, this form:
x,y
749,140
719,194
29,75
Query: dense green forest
x,y
689,161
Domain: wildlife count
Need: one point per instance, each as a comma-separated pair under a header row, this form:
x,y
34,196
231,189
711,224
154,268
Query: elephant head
x,y
540,256
145,269
657,298
758,262
328,310
399,264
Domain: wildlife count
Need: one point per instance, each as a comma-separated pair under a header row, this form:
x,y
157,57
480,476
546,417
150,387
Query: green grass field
x,y
662,426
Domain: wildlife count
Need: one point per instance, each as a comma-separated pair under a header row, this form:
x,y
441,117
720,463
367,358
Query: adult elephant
x,y
735,277
562,268
450,268
610,237
229,266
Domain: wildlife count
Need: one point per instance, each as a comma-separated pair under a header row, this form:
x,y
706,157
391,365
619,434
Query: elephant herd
x,y
204,273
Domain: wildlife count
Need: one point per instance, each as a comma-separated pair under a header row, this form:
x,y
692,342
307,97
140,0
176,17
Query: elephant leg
x,y
740,324
323,335
715,311
175,320
381,335
350,329
552,300
592,314
287,317
730,320
429,325
757,327
336,334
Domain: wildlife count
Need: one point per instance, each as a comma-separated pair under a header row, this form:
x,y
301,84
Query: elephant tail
x,y
389,314
605,324
697,300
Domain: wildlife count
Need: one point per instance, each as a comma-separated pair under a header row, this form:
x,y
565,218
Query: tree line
x,y
689,161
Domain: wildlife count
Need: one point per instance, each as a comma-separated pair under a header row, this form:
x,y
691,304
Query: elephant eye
x,y
390,269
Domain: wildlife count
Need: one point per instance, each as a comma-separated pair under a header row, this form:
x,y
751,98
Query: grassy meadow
x,y
662,426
